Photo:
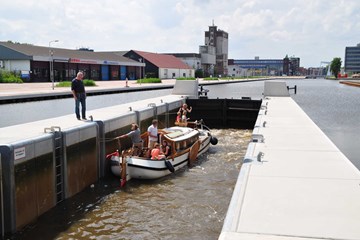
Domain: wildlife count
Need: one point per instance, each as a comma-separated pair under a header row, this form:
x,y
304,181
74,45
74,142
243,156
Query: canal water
x,y
192,203
334,107
18,113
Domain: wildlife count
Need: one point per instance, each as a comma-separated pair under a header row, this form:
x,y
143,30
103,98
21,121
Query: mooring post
x,y
294,88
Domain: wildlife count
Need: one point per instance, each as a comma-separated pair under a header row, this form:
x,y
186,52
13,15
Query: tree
x,y
199,73
335,66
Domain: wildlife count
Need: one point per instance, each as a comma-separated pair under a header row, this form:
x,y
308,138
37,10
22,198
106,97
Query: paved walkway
x,y
294,184
13,89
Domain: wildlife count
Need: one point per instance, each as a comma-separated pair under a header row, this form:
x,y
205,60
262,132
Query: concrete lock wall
x,y
172,109
2,232
159,114
189,88
7,171
31,180
81,150
28,170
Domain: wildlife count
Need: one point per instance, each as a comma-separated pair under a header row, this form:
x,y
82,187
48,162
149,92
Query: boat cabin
x,y
181,138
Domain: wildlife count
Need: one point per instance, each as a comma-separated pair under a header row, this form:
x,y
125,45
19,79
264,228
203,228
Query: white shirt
x,y
152,131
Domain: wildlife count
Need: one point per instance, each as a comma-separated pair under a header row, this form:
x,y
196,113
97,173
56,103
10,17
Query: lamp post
x,y
51,61
140,60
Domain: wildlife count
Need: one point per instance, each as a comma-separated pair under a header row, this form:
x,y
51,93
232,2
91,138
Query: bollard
x,y
294,88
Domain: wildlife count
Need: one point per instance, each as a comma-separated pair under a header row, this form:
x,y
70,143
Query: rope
x,y
109,139
119,142
167,114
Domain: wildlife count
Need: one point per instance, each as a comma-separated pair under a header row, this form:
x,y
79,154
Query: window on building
x,y
36,72
95,73
44,72
72,73
114,73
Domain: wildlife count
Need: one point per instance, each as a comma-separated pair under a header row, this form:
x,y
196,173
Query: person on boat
x,y
134,134
153,134
156,153
183,111
166,149
178,117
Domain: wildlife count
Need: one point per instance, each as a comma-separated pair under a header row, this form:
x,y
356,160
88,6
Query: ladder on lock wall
x,y
59,162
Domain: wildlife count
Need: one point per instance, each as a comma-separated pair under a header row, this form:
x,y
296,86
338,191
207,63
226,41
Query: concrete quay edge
x,y
294,183
29,130
16,92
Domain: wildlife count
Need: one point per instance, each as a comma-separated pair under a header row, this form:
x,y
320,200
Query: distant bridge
x,y
319,72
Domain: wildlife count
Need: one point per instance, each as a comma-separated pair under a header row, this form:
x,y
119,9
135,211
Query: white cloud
x,y
314,30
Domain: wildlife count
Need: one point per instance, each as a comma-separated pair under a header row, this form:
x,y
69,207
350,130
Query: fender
x,y
169,166
213,140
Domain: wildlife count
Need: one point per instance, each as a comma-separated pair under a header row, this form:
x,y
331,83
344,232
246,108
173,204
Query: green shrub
x,y
63,84
87,83
186,78
199,73
8,77
149,80
211,78
255,77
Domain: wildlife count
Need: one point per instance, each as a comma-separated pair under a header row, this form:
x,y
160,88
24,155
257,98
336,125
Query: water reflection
x,y
191,204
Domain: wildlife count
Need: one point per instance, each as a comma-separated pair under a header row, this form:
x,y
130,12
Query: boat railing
x,y
202,125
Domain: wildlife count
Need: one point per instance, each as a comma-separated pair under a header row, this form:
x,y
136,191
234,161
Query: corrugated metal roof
x,y
41,51
163,60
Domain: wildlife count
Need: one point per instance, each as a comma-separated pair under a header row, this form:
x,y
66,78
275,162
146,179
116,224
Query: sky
x,y
314,30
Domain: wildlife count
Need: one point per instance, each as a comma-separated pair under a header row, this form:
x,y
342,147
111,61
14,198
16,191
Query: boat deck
x,y
302,187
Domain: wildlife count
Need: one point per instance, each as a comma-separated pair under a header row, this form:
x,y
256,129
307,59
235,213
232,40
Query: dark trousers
x,y
81,99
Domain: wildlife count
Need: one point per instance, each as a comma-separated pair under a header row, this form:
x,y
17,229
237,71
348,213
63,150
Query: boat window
x,y
187,143
184,145
177,146
192,140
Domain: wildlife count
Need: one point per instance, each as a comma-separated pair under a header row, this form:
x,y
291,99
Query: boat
x,y
187,142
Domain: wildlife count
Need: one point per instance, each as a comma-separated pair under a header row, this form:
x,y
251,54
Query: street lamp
x,y
140,60
51,61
